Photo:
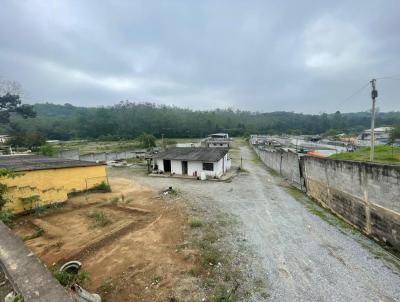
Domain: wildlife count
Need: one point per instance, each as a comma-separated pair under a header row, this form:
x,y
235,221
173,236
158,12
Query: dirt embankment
x,y
129,241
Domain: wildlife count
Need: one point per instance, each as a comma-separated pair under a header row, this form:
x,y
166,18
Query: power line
x,y
357,92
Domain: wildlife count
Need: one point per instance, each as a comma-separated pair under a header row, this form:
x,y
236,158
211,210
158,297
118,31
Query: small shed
x,y
214,162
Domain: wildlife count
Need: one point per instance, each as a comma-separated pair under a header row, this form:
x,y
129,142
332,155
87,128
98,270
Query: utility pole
x,y
374,95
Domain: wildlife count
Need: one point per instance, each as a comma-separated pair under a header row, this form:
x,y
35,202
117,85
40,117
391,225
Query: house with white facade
x,y
382,136
211,162
217,140
4,138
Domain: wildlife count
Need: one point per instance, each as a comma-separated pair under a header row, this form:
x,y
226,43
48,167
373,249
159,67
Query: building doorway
x,y
167,165
184,167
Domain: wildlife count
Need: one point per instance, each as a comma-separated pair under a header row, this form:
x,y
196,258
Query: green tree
x,y
147,140
47,149
395,134
10,102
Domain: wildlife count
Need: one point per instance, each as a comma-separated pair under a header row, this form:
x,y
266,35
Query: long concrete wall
x,y
364,194
101,156
287,164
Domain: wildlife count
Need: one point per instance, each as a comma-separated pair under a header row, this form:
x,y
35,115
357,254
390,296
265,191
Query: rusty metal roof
x,y
37,162
193,154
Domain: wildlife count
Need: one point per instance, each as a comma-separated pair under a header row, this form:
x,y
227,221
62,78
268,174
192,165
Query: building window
x,y
208,166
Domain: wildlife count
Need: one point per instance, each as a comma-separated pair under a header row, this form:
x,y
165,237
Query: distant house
x,y
4,138
48,179
217,140
213,162
382,135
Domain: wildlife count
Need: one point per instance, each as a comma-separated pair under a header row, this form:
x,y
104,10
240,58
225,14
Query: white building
x,y
382,136
4,138
213,162
217,140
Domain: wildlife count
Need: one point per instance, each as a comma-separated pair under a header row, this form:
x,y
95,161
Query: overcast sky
x,y
302,56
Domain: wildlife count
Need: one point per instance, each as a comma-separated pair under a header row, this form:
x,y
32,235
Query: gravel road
x,y
301,256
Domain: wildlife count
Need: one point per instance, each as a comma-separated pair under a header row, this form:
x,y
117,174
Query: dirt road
x,y
301,256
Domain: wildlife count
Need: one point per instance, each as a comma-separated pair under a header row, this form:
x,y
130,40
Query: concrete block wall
x,y
364,194
101,156
287,164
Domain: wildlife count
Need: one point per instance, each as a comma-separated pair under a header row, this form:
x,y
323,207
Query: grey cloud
x,y
304,56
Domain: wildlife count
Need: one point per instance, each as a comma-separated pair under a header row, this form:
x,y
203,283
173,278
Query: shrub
x,y
100,218
48,150
6,215
103,186
67,279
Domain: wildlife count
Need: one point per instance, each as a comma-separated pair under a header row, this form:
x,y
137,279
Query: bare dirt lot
x,y
295,250
129,249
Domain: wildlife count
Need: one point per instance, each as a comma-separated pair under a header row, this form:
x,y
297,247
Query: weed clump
x,y
195,223
67,279
103,187
38,233
100,219
6,216
114,200
106,287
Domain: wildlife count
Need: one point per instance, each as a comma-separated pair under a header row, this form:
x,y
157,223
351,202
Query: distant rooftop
x,y
193,154
381,129
37,162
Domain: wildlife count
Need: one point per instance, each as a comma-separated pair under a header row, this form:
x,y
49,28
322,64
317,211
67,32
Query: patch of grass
x,y
135,160
171,193
14,298
6,216
156,280
129,200
38,233
100,219
114,200
195,223
103,187
211,256
106,287
48,207
222,294
383,154
67,279
295,193
272,172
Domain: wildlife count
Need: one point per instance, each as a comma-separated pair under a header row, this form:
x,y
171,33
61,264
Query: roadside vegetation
x,y
383,154
217,263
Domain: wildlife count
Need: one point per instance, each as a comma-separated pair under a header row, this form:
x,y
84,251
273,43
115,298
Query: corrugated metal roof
x,y
37,162
193,154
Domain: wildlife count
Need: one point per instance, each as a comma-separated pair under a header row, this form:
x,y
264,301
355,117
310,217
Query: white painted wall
x,y
220,167
176,166
160,164
195,166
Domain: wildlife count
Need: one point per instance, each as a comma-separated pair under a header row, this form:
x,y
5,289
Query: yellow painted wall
x,y
51,185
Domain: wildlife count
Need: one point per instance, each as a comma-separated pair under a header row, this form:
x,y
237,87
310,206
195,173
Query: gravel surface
x,y
300,256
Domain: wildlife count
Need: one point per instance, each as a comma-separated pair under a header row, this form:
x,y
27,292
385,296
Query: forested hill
x,y
128,120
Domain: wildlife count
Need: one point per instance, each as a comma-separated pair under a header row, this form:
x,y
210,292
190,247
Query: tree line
x,y
128,120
